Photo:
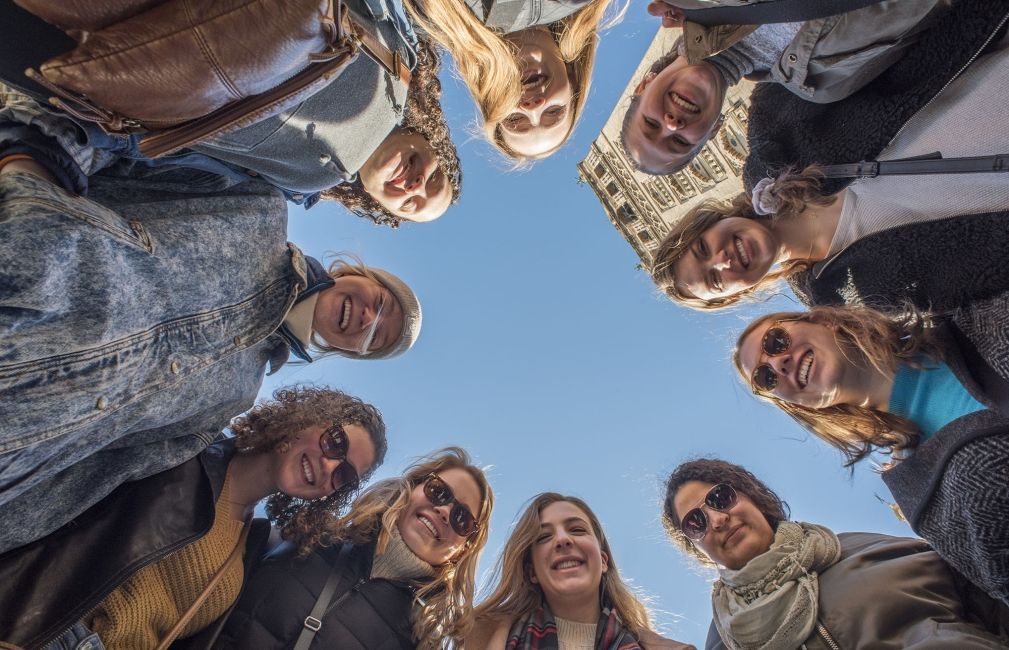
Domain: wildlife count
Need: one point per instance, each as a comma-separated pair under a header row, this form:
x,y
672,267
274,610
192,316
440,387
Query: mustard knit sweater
x,y
141,611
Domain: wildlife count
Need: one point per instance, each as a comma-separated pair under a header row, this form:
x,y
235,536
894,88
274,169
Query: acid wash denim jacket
x,y
133,326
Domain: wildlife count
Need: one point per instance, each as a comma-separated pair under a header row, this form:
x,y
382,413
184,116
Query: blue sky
x,y
553,360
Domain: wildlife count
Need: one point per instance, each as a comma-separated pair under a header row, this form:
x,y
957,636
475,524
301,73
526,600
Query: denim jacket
x,y
509,16
133,327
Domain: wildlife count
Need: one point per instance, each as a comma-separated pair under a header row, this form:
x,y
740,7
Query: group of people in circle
x,y
143,298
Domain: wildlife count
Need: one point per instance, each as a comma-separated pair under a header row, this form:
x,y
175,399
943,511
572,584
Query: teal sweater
x,y
930,396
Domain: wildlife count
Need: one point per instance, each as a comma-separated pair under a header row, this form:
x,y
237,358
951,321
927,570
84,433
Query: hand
x,y
652,641
671,16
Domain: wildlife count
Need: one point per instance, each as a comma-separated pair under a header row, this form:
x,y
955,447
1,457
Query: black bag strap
x,y
313,622
773,11
932,163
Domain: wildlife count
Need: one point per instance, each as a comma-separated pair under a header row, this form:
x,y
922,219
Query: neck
x,y
880,389
807,235
251,481
576,609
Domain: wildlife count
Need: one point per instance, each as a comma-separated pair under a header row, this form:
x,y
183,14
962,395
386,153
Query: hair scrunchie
x,y
764,200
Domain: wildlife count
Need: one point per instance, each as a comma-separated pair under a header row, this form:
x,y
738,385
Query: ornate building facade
x,y
643,207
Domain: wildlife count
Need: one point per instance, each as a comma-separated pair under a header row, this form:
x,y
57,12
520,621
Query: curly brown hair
x,y
715,471
271,426
423,115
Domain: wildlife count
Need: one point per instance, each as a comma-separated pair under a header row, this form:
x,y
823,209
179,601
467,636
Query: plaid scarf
x,y
538,631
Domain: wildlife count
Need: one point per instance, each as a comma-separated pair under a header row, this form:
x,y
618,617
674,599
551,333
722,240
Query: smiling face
x,y
344,314
676,111
542,120
734,537
813,371
404,177
303,471
732,255
567,559
426,529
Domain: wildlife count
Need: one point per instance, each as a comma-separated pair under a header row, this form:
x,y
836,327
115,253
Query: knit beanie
x,y
410,307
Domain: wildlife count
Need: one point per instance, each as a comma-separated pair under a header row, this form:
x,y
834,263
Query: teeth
x,y
743,257
430,526
684,104
807,362
567,564
306,468
345,317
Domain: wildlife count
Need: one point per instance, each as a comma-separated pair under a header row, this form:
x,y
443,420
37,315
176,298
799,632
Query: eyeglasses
x,y
776,341
694,524
369,336
460,518
335,444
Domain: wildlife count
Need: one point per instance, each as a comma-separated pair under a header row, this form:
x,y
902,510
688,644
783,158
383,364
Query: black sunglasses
x,y
776,341
695,523
335,444
460,518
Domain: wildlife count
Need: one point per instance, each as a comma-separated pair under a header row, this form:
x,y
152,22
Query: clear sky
x,y
553,360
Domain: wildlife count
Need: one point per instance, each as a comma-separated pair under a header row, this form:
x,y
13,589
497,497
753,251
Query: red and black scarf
x,y
538,631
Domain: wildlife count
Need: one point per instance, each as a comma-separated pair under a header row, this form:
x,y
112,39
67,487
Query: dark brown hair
x,y
269,427
715,471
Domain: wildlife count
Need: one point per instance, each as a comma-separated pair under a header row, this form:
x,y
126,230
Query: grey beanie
x,y
411,316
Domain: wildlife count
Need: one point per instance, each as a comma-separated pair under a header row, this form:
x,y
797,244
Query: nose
x,y
329,467
561,538
722,261
782,364
717,519
531,102
673,122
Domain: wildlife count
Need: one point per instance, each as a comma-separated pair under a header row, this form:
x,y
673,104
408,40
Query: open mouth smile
x,y
566,563
684,103
430,526
744,257
306,470
804,365
345,314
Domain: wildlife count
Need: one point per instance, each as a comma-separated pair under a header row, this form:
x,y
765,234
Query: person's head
x,y
414,174
719,513
720,253
368,313
529,86
558,552
821,368
441,506
675,109
324,445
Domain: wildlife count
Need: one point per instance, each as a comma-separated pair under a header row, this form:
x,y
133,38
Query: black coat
x,y
785,131
364,613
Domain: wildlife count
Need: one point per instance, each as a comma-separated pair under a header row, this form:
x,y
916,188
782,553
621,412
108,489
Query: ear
x,y
606,561
640,88
532,574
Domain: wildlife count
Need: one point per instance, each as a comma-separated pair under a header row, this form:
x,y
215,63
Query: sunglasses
x,y
460,518
335,444
695,523
776,341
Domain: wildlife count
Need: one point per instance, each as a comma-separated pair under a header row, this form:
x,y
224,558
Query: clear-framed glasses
x,y
369,336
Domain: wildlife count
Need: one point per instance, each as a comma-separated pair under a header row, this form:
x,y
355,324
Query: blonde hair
x,y
516,596
485,60
794,190
443,607
882,342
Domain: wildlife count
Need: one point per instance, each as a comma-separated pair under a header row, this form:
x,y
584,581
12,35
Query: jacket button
x,y
175,367
252,172
238,340
792,58
324,159
102,403
698,38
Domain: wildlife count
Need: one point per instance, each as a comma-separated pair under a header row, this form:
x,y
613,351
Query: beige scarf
x,y
398,562
771,603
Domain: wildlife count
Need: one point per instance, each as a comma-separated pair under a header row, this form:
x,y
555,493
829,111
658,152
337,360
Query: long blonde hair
x,y
883,342
444,606
516,596
485,60
794,190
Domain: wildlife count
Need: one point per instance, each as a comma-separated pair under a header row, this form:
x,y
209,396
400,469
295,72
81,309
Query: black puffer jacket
x,y
364,614
785,131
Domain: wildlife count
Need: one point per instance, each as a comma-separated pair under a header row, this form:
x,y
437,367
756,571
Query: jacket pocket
x,y
131,232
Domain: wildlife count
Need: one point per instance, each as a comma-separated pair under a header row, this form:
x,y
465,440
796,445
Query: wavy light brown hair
x,y
879,340
443,608
516,596
795,190
269,427
423,115
715,471
485,60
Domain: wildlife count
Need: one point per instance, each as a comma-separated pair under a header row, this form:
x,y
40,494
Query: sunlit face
x,y
677,110
734,537
304,472
345,312
425,527
568,561
542,120
404,176
814,371
730,256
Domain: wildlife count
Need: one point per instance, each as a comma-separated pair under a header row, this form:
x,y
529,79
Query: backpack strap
x,y
774,11
932,163
313,622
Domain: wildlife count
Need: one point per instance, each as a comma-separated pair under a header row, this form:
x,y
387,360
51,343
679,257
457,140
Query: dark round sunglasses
x,y
776,341
460,518
695,523
335,444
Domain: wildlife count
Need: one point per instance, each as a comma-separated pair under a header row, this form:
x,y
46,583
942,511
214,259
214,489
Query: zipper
x,y
953,78
344,596
825,635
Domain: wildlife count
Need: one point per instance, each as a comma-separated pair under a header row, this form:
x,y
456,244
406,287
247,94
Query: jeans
x,y
78,637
